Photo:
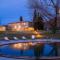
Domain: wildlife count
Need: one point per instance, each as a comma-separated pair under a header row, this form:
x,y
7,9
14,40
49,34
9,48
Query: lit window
x,y
19,26
3,28
15,27
24,23
26,26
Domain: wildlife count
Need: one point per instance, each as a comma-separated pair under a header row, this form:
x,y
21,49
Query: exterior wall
x,y
19,26
30,24
2,28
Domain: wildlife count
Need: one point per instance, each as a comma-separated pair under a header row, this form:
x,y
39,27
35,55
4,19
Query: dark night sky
x,y
11,10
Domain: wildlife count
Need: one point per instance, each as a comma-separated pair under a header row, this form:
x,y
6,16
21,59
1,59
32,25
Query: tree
x,y
44,7
38,50
34,20
21,18
48,9
56,7
53,25
38,21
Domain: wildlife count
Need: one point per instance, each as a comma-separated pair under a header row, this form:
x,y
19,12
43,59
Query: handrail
x,y
26,41
33,58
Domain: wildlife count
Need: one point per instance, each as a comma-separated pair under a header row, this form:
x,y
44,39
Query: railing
x,y
54,42
6,42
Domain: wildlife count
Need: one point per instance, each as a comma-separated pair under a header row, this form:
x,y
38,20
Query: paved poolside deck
x,y
6,42
40,40
42,58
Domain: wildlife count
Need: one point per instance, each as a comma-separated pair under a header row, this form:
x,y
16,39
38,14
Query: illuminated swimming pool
x,y
8,50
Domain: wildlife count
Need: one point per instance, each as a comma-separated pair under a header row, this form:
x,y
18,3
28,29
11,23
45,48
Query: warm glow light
x,y
19,27
26,46
30,43
31,29
38,36
22,46
26,29
24,23
2,28
17,46
15,27
35,32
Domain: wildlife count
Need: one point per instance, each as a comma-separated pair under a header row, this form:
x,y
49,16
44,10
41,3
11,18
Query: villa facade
x,y
20,26
2,28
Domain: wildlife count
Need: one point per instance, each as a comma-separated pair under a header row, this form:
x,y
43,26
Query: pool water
x,y
7,50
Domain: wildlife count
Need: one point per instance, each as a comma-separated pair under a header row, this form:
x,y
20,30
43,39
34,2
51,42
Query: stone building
x,y
20,26
2,28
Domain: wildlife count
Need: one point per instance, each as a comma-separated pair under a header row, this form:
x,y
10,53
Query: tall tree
x,y
34,20
38,21
21,18
46,7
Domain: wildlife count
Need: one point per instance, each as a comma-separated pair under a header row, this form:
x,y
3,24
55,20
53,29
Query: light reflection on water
x,y
20,51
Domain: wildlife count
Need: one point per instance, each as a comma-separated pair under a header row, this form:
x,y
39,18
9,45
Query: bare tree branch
x,y
37,5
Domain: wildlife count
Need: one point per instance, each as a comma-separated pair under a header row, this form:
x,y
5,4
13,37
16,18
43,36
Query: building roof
x,y
20,22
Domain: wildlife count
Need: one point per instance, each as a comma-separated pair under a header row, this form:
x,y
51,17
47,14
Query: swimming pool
x,y
8,50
